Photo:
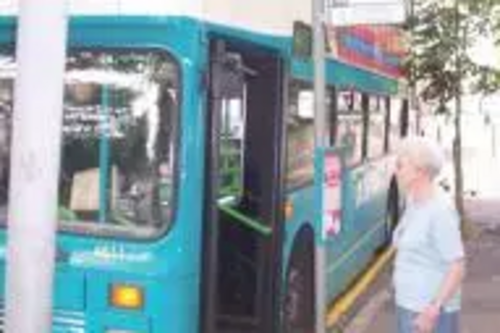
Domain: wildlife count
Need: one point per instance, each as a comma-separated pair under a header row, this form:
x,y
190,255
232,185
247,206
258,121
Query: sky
x,y
484,52
345,12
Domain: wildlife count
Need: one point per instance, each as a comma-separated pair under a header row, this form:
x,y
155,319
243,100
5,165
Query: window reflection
x,y
395,124
119,135
233,121
376,128
300,135
350,126
6,93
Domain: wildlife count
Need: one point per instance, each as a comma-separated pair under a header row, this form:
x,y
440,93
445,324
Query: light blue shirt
x,y
427,241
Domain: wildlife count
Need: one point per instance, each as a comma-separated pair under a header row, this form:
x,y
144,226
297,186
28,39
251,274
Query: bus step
x,y
237,324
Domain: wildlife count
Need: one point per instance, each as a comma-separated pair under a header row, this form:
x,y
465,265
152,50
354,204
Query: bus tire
x,y
393,211
299,300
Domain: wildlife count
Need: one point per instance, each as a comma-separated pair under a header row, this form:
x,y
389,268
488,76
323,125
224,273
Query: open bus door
x,y
241,278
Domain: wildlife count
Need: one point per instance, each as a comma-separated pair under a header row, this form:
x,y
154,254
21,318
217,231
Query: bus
x,y
187,193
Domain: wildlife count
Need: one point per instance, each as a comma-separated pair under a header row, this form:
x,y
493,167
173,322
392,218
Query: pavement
x,y
481,292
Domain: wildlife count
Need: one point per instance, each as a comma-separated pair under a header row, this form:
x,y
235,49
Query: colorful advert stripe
x,y
377,48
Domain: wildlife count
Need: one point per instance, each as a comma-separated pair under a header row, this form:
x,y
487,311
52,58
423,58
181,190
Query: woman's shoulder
x,y
443,207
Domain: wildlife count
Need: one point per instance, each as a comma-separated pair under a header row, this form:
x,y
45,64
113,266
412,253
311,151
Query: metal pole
x,y
414,107
493,140
318,16
457,142
41,41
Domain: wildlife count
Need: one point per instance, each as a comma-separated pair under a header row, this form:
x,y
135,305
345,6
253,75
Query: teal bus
x,y
187,200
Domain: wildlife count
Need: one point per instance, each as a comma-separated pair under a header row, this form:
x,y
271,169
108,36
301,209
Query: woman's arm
x,y
451,283
427,320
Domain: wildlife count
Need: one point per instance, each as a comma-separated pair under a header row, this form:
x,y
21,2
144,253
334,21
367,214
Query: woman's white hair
x,y
424,154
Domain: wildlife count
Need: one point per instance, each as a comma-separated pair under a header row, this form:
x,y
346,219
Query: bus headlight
x,y
288,209
126,297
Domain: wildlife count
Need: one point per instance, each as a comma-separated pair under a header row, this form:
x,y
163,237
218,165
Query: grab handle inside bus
x,y
62,256
247,221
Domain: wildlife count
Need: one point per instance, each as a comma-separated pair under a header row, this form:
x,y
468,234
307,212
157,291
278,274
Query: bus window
x,y
395,122
5,125
231,148
332,114
118,143
376,127
300,135
350,126
386,110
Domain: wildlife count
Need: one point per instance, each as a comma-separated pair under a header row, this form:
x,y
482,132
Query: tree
x,y
442,32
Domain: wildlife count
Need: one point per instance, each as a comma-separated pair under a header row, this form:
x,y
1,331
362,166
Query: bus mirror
x,y
302,40
229,75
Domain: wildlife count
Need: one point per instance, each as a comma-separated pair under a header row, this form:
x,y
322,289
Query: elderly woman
x,y
430,265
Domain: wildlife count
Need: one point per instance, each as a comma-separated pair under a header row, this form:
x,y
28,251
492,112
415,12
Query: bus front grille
x,y
63,321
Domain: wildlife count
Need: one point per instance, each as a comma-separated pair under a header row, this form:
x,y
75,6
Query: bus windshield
x,y
118,143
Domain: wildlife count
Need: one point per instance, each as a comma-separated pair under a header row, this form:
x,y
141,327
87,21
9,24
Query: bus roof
x,y
278,19
377,49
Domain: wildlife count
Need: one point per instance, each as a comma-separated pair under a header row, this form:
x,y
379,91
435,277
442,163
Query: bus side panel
x,y
363,225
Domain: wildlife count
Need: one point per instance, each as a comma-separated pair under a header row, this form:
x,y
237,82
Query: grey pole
x,y
318,17
414,105
32,216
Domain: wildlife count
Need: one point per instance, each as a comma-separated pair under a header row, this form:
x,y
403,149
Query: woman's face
x,y
407,173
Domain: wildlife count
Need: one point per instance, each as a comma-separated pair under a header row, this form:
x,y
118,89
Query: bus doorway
x,y
241,277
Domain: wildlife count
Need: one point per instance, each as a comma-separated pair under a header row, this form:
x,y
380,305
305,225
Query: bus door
x,y
243,190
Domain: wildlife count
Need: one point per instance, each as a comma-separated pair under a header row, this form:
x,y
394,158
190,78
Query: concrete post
x,y
35,159
318,18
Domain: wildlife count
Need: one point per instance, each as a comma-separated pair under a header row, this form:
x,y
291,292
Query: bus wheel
x,y
393,213
299,298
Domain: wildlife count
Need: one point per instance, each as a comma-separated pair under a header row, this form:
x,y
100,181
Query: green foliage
x,y
487,80
442,31
440,65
